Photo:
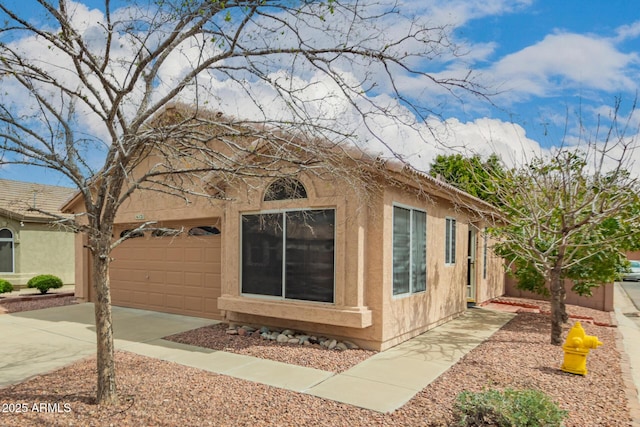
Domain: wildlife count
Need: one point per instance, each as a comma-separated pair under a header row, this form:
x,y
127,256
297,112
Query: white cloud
x,y
559,60
566,60
626,32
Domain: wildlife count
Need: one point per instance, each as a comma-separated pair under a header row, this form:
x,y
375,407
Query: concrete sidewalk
x,y
388,380
37,342
40,341
630,330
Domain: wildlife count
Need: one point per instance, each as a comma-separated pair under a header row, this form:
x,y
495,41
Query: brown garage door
x,y
173,274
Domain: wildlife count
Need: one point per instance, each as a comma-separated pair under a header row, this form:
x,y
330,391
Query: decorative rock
x,y
350,345
292,337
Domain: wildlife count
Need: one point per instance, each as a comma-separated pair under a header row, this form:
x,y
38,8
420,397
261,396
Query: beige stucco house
x,y
29,243
374,261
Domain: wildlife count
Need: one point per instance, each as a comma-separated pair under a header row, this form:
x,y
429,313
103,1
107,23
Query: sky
x,y
547,62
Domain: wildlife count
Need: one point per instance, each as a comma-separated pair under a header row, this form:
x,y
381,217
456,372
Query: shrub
x,y
521,408
44,282
5,286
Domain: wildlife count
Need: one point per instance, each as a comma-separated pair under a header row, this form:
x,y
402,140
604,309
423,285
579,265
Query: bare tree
x,y
571,215
92,94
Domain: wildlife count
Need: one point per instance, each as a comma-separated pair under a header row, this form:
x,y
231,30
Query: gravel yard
x,y
216,338
160,393
14,305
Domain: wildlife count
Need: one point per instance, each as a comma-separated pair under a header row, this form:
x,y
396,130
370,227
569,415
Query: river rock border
x,y
289,336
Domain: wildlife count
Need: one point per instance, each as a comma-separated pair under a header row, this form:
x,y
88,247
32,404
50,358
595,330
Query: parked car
x,y
633,272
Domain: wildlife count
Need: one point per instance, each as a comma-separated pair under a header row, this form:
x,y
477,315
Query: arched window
x,y
204,230
285,189
6,251
165,232
131,234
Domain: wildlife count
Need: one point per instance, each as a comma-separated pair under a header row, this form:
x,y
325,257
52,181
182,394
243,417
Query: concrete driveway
x,y
40,341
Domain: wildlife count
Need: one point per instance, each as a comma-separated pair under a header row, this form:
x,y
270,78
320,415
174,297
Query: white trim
x,y
12,241
450,249
411,238
484,253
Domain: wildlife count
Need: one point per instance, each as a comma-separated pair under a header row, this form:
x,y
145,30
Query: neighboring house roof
x,y
26,201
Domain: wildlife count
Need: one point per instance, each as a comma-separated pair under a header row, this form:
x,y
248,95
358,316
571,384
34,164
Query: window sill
x,y
352,317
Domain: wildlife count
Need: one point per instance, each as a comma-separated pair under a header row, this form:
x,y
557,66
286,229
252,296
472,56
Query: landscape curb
x,y
35,296
630,388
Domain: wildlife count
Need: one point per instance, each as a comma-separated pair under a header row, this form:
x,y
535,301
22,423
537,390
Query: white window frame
x,y
484,253
450,243
12,241
284,258
411,209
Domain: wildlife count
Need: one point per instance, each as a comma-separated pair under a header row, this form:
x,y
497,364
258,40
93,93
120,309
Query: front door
x,y
471,265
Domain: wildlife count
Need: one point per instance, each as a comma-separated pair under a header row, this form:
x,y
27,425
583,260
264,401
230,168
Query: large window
x,y
450,241
289,254
6,251
409,250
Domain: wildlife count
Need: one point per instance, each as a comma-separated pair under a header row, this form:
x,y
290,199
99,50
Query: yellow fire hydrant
x,y
576,348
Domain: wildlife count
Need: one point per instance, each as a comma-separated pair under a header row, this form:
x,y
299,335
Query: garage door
x,y
164,272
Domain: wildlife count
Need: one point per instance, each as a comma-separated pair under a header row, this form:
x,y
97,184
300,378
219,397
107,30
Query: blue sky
x,y
548,59
548,26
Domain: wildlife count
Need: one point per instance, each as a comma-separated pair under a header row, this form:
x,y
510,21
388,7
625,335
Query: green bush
x,y
44,282
5,286
511,408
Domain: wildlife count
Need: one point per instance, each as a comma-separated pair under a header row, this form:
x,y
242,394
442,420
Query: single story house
x,y
29,243
375,262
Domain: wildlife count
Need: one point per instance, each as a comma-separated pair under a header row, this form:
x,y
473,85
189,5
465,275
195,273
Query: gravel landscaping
x,y
215,337
160,393
14,305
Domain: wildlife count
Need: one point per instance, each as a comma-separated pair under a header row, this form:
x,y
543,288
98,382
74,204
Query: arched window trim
x,y
204,230
12,248
131,234
285,189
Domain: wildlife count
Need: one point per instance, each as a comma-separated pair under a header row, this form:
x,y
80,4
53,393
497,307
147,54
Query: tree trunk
x,y
563,305
558,310
106,392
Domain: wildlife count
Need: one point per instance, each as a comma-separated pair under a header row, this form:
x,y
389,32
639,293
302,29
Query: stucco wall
x,y
445,296
14,227
364,308
41,249
491,284
46,250
146,206
601,299
351,315
364,268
